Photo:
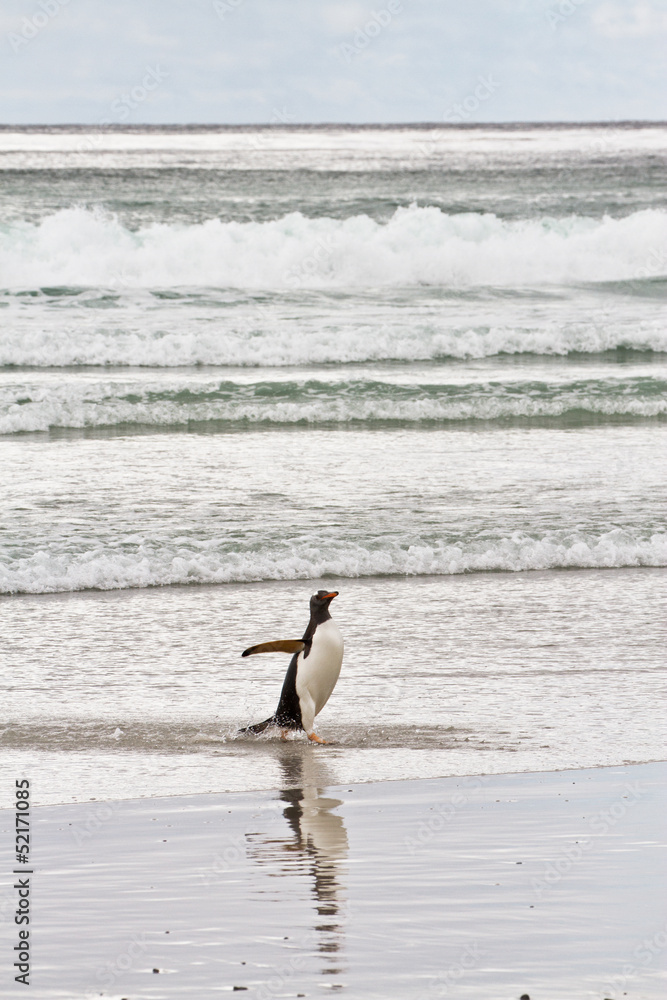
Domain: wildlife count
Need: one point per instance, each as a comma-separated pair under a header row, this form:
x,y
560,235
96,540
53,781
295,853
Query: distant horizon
x,y
293,126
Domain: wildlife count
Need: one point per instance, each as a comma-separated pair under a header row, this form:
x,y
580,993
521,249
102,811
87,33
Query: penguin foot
x,y
314,738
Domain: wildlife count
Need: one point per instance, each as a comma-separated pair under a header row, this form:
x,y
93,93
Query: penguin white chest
x,y
317,673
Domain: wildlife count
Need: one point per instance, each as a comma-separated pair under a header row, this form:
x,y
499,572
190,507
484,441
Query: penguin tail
x,y
259,727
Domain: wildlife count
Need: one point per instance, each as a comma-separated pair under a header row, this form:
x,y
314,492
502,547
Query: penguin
x,y
312,673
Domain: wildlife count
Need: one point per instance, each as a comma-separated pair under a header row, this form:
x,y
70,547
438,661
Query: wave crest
x,y
253,341
418,245
147,567
113,404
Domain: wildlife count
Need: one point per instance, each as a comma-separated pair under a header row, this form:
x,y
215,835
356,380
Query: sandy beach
x,y
484,887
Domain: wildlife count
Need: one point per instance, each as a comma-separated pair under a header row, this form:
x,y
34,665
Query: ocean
x,y
423,366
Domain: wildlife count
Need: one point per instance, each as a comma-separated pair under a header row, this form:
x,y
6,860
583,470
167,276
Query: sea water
x,y
425,367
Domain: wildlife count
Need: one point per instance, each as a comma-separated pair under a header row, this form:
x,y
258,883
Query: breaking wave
x,y
418,245
26,408
169,564
244,343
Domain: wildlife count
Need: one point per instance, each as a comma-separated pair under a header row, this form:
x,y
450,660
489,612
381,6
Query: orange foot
x,y
283,734
315,738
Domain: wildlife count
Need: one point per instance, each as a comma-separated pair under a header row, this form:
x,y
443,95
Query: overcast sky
x,y
261,61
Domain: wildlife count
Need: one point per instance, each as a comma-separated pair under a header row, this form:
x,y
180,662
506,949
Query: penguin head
x,y
320,601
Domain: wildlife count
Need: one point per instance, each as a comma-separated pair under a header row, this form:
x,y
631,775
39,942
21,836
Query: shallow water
x,y
136,510
131,693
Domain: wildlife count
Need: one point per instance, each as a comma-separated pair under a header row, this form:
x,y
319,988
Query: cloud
x,y
343,17
637,20
326,61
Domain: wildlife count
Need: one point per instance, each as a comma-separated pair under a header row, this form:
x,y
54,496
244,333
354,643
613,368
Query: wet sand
x,y
484,887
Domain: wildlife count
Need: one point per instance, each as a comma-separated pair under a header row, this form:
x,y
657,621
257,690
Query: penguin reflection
x,y
319,840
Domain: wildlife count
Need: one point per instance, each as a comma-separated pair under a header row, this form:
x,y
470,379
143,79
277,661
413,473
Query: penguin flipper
x,y
277,646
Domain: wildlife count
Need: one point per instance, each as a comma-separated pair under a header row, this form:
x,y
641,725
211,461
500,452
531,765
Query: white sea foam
x,y
257,340
100,569
416,246
107,404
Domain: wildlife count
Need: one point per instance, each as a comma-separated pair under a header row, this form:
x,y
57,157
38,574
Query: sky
x,y
307,61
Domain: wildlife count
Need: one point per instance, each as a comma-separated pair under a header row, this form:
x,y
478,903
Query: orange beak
x,y
334,593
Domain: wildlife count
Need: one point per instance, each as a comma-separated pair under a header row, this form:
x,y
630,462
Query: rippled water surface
x,y
142,692
426,368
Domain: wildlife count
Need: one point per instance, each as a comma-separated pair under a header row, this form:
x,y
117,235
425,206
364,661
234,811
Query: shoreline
x,y
276,788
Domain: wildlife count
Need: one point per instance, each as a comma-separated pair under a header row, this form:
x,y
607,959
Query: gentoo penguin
x,y
312,673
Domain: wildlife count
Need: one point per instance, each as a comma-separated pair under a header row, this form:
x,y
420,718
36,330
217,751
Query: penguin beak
x,y
330,597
